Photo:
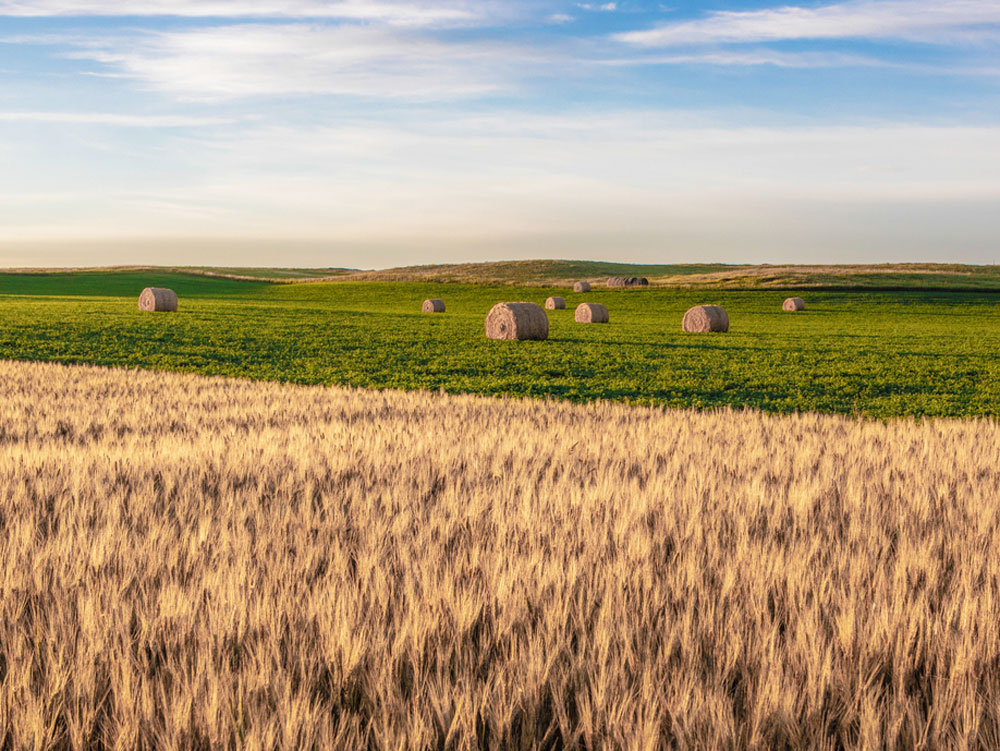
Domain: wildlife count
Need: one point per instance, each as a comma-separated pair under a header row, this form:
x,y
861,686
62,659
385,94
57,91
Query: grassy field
x,y
190,563
878,353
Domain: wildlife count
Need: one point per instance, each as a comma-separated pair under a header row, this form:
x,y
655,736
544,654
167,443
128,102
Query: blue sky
x,y
374,133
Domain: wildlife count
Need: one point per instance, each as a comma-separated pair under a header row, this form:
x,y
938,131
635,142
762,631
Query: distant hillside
x,y
268,274
690,276
536,273
250,274
543,273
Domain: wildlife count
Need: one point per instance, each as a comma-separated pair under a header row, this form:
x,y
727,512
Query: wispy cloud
x,y
757,57
398,12
114,119
246,60
511,181
805,60
924,20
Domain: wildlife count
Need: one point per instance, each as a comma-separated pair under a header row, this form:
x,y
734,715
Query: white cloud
x,y
924,20
607,7
559,18
399,12
246,60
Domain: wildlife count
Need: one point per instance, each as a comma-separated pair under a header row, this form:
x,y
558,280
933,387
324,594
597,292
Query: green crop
x,y
874,353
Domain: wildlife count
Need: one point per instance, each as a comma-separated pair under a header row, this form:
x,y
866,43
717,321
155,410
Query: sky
x,y
378,133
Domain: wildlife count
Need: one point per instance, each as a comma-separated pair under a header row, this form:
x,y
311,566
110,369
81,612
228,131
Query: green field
x,y
878,353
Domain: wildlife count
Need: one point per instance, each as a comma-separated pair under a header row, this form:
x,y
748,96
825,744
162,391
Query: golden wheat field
x,y
192,563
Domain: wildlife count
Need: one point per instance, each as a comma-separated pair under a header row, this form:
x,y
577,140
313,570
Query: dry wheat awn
x,y
289,567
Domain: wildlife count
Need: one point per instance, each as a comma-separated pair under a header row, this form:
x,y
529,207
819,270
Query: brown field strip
x,y
195,563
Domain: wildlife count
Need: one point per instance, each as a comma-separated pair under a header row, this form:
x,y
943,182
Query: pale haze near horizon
x,y
372,134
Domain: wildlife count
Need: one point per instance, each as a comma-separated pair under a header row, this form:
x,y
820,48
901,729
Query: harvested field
x,y
192,563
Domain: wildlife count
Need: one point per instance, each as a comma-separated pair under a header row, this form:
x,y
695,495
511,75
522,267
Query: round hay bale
x,y
517,320
627,281
555,303
157,299
581,287
794,303
433,305
704,318
591,312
